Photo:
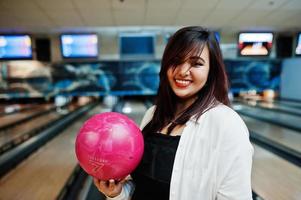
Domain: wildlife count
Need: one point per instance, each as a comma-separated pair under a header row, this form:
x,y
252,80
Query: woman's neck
x,y
183,104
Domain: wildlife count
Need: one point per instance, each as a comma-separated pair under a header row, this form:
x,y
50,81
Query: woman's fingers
x,y
111,184
111,187
101,185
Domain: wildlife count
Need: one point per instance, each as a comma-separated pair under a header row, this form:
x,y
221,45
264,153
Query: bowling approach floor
x,y
45,173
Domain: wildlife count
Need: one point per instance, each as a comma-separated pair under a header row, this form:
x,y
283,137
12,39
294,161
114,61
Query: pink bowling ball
x,y
109,146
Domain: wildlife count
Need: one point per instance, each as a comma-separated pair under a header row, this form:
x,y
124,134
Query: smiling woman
x,y
196,146
187,78
192,78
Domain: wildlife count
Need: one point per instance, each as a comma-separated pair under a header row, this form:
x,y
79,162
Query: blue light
x,y
79,45
15,47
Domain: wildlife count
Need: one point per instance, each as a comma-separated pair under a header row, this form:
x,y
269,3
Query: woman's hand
x,y
109,188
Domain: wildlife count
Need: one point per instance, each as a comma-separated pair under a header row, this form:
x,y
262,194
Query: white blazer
x,y
213,160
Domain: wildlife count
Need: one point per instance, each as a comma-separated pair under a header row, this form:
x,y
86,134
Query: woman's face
x,y
188,78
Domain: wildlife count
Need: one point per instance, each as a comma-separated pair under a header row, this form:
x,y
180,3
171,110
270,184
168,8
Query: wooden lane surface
x,y
273,178
9,119
278,134
11,108
296,105
272,106
270,114
44,173
19,133
137,109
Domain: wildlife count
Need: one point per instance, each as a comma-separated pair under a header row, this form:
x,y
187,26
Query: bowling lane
x,y
286,137
281,107
135,110
45,173
11,119
273,178
21,132
277,102
293,104
12,108
269,105
282,119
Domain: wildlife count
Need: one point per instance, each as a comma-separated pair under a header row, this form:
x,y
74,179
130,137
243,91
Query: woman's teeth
x,y
182,82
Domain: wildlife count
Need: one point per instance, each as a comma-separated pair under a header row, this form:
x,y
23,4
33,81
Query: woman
x,y
196,147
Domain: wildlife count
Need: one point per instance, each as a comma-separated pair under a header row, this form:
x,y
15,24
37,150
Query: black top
x,y
153,174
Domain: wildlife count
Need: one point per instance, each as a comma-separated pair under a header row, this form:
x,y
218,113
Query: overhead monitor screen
x,y
137,45
255,44
14,47
79,45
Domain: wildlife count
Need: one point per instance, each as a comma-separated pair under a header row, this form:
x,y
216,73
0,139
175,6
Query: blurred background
x,y
62,61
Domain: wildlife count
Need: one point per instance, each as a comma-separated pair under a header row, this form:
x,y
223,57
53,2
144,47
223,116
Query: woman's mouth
x,y
182,83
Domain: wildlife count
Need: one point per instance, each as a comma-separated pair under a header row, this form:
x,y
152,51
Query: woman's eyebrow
x,y
197,58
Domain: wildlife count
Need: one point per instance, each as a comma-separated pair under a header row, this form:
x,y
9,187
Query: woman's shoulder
x,y
227,118
223,115
222,110
147,116
150,111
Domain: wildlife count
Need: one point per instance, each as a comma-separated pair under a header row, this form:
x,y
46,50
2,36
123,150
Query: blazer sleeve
x,y
235,162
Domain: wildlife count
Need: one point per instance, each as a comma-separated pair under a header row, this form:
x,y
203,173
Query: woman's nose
x,y
184,69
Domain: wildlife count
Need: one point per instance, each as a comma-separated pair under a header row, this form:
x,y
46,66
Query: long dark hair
x,y
184,43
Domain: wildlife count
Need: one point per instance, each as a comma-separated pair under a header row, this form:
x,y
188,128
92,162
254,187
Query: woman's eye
x,y
198,64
